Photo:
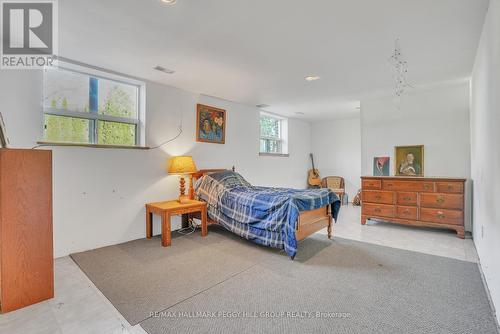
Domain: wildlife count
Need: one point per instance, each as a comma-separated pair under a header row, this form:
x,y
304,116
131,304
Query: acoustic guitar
x,y
313,175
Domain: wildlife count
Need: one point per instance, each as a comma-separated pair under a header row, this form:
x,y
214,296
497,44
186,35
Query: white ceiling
x,y
258,52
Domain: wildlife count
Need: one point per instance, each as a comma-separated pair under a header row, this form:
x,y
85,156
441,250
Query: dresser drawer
x,y
382,197
445,201
371,184
407,212
419,186
450,187
405,198
453,217
378,210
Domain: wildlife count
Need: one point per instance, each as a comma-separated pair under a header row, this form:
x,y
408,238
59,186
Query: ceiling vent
x,y
262,106
163,69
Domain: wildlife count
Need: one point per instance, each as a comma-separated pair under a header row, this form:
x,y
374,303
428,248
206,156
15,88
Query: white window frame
x,y
283,135
93,118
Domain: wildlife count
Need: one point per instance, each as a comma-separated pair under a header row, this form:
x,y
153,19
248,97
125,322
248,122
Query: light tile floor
x,y
418,239
79,307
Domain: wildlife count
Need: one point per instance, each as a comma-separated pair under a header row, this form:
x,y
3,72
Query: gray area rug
x,y
223,284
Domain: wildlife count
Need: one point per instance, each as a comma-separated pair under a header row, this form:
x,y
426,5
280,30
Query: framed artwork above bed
x,y
210,124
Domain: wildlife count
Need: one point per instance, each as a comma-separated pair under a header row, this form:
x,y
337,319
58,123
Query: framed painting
x,y
381,166
409,160
210,124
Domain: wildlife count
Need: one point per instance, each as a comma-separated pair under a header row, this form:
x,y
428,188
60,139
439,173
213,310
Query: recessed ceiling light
x,y
262,106
169,2
312,78
163,69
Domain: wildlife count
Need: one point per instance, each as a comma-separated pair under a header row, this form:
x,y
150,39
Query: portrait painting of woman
x,y
409,160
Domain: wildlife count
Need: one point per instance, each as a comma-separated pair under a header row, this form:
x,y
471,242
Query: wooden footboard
x,y
309,222
312,221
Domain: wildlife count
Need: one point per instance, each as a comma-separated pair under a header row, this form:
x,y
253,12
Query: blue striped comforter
x,y
267,216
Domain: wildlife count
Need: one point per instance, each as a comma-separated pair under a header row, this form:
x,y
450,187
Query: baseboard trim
x,y
488,294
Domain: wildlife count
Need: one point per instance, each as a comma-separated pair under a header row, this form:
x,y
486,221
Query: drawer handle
x,y
378,197
390,185
406,212
440,200
440,215
427,186
407,198
377,210
450,187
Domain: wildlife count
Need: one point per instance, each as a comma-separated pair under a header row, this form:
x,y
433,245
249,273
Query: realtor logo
x,y
28,31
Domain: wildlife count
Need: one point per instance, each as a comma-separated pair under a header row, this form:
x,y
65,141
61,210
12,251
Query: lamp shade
x,y
181,165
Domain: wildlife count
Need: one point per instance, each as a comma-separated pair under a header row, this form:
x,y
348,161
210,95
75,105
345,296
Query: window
x,y
87,109
273,135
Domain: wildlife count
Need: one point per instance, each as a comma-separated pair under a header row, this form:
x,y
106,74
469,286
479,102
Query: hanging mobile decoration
x,y
399,67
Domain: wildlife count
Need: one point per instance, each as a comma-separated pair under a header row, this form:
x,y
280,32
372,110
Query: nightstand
x,y
171,208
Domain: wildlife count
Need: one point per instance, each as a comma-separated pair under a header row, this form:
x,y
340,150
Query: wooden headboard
x,y
195,176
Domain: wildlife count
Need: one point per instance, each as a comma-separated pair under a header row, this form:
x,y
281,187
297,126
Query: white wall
x,y
336,146
485,150
437,118
99,194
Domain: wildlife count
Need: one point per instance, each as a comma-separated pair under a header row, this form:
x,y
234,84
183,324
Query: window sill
x,y
123,147
263,154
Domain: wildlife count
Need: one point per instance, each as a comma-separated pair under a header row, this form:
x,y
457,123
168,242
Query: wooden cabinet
x,y
26,255
431,202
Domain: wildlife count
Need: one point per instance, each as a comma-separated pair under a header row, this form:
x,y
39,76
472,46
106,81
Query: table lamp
x,y
182,165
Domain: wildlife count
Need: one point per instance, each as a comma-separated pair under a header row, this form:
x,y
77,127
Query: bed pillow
x,y
226,179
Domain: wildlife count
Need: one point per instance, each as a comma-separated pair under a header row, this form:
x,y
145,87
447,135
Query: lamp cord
x,y
168,141
191,228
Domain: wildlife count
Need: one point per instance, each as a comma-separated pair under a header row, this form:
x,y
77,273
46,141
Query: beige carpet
x,y
224,284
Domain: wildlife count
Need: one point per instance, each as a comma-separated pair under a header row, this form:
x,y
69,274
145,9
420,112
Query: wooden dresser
x,y
26,256
431,202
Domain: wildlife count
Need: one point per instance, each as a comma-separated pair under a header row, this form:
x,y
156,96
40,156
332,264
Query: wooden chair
x,y
336,184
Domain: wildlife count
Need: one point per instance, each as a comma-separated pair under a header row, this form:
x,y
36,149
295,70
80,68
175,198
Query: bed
x,y
274,217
